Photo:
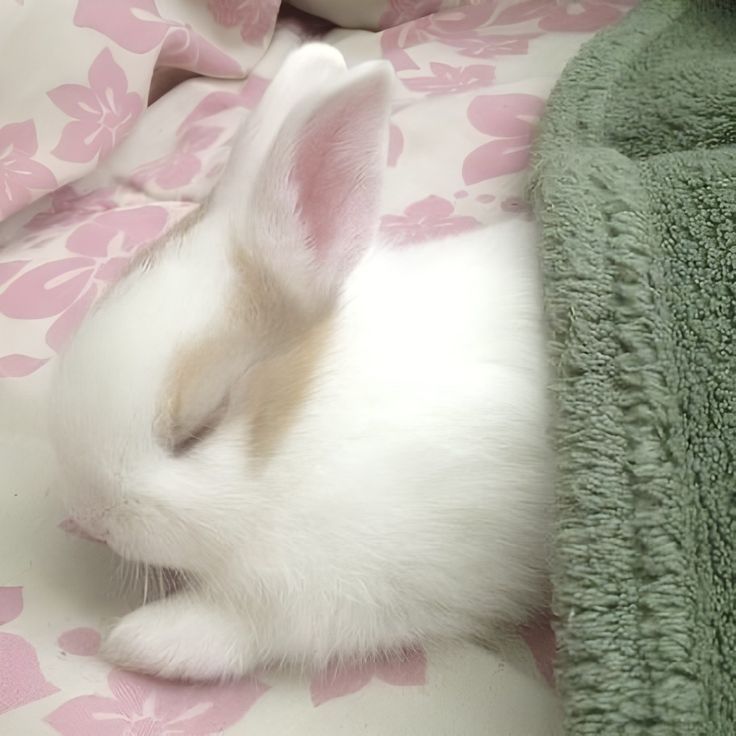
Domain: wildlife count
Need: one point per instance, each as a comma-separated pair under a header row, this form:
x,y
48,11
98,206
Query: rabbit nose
x,y
72,526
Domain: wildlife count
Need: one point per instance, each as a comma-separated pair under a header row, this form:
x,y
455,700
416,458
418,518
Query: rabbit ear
x,y
303,74
314,206
297,231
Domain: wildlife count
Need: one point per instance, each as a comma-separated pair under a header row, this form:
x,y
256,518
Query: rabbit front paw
x,y
180,638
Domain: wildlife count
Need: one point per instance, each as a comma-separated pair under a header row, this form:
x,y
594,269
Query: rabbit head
x,y
153,400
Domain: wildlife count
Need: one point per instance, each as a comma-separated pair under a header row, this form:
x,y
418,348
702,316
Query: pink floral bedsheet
x,y
115,122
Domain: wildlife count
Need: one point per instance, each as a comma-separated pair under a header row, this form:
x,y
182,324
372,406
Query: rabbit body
x,y
340,443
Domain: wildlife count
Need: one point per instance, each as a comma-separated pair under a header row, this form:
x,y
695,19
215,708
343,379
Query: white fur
x,y
408,498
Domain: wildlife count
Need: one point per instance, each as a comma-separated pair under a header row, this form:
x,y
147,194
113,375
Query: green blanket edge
x,y
626,644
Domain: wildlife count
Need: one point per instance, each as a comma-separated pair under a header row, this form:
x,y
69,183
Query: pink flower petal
x,y
11,603
20,177
178,172
210,105
21,136
107,79
256,18
90,239
193,709
409,669
199,137
186,49
9,269
392,49
139,224
21,679
505,116
68,207
81,141
76,100
592,17
497,158
404,11
18,366
336,682
83,642
466,20
46,290
431,217
19,173
488,47
522,12
105,121
431,207
92,715
112,270
227,13
31,174
134,25
447,79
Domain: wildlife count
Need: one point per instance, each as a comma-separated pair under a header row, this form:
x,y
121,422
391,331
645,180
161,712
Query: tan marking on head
x,y
278,387
263,332
187,409
268,396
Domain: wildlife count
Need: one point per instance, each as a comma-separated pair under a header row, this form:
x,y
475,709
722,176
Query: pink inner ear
x,y
337,174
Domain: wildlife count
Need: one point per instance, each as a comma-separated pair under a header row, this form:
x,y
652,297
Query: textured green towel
x,y
635,189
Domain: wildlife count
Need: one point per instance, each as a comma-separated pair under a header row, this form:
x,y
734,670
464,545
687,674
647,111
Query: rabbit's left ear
x,y
314,205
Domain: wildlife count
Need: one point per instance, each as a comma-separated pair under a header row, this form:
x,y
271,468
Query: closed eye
x,y
187,441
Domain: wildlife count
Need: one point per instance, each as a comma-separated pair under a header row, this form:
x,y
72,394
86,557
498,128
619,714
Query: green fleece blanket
x,y
635,189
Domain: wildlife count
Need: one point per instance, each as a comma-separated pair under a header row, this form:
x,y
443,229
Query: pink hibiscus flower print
x,y
137,26
404,671
144,706
81,642
21,679
16,365
447,79
395,41
482,46
184,48
256,18
465,29
510,119
582,16
103,113
69,207
403,11
20,175
431,217
182,165
11,603
67,287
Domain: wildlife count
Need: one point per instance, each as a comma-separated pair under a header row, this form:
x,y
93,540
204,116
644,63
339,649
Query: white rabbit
x,y
341,444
